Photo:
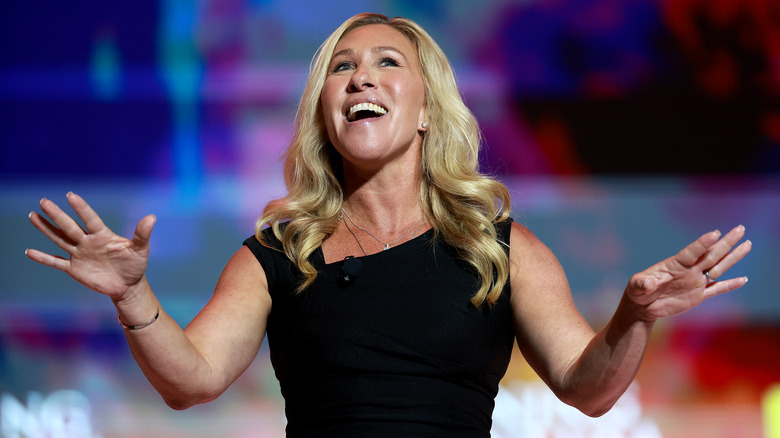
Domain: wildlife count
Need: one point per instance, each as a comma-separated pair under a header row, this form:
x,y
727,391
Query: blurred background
x,y
624,129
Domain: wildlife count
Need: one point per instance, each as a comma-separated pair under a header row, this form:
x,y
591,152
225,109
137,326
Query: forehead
x,y
375,35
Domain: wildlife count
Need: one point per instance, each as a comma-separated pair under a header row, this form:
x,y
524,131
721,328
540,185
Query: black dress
x,y
398,352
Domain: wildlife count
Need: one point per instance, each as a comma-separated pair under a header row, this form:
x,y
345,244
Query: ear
x,y
422,124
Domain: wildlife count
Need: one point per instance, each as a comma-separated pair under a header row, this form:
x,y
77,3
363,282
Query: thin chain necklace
x,y
387,245
353,235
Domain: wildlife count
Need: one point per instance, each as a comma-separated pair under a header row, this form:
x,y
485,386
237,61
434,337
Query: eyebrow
x,y
377,49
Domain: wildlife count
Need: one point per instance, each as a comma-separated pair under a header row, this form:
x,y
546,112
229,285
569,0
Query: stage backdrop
x,y
624,130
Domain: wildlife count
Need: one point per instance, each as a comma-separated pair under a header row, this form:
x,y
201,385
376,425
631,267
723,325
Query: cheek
x,y
416,96
329,109
416,110
329,101
324,109
330,128
421,93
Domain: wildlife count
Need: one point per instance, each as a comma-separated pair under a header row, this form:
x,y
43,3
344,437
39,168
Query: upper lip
x,y
353,102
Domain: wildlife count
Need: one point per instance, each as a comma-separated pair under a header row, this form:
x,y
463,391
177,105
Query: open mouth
x,y
365,110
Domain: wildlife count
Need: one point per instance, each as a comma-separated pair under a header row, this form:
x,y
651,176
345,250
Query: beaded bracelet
x,y
139,326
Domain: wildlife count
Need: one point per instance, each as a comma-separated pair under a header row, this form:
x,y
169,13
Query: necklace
x,y
387,245
353,235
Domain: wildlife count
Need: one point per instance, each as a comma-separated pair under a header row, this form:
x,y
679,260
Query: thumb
x,y
642,282
641,287
143,231
648,283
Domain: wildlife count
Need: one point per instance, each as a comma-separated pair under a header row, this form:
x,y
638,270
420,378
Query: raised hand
x,y
682,282
98,258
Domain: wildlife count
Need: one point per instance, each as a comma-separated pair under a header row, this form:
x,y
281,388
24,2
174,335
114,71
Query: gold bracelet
x,y
139,326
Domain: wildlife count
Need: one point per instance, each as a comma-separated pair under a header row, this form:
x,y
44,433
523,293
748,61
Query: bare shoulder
x,y
521,235
538,282
243,269
526,250
243,286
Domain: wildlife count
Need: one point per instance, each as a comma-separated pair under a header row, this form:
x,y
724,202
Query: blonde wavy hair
x,y
460,203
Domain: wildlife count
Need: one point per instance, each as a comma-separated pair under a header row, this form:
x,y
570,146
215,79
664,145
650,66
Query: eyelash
x,y
390,60
387,59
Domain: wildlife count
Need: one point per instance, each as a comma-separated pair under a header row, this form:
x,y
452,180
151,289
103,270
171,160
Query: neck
x,y
384,205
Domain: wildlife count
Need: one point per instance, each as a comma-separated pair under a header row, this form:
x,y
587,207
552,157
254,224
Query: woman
x,y
391,282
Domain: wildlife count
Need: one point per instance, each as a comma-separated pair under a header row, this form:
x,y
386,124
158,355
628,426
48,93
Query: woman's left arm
x,y
592,370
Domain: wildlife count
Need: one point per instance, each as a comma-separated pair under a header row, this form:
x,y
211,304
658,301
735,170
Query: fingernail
x,y
25,251
746,279
67,195
29,216
42,199
717,232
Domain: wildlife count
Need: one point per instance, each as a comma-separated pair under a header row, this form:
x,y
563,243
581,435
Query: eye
x,y
341,66
388,62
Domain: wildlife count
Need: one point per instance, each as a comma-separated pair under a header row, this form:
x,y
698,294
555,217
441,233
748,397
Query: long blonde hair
x,y
460,203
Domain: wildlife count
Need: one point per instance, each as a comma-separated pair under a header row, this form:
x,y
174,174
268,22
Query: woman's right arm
x,y
186,367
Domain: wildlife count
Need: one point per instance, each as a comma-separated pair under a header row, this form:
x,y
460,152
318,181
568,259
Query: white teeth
x,y
366,106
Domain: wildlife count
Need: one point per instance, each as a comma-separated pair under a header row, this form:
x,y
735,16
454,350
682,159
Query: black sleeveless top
x,y
398,352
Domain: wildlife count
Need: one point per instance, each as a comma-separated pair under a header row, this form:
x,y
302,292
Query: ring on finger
x,y
709,277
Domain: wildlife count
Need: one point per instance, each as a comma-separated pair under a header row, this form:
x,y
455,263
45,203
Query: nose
x,y
361,80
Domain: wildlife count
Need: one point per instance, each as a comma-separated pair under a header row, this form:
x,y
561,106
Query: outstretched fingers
x,y
48,259
63,230
710,256
724,264
53,233
679,283
721,287
68,228
91,220
693,253
723,255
